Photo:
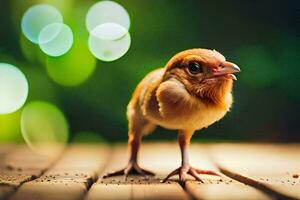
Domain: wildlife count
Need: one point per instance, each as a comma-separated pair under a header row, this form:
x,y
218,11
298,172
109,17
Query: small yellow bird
x,y
191,92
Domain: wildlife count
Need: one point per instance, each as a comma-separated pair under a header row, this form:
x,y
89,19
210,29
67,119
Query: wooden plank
x,y
135,187
224,191
162,158
70,176
4,149
19,165
270,168
5,190
215,187
22,165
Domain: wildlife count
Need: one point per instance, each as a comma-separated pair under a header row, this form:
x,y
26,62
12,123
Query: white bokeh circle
x,y
36,18
56,39
109,41
107,12
13,88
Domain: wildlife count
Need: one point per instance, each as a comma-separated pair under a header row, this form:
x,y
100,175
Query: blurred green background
x,y
262,37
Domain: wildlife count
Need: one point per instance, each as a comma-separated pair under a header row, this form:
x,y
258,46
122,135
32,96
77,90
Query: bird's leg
x,y
184,138
134,142
132,167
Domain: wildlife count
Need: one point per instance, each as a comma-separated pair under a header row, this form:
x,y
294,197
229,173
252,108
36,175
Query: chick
x,y
190,93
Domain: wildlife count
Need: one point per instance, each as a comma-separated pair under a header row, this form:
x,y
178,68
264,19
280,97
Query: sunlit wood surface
x,y
249,171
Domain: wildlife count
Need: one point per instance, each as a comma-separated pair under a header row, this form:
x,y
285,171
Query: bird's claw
x,y
184,170
131,168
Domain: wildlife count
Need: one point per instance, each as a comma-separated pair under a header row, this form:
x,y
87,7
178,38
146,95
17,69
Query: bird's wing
x,y
149,86
173,99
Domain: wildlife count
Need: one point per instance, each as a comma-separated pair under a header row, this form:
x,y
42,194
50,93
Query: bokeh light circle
x,y
13,88
36,18
44,127
56,39
109,41
105,12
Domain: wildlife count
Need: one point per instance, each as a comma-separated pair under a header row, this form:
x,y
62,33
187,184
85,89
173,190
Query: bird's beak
x,y
228,69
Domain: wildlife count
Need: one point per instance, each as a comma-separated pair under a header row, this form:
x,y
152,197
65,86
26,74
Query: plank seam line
x,y
33,177
97,177
249,181
255,184
190,195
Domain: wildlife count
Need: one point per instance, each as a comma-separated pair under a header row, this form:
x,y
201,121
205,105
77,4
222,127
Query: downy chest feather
x,y
187,113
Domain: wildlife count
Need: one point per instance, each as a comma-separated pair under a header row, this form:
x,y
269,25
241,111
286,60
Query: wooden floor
x,y
249,171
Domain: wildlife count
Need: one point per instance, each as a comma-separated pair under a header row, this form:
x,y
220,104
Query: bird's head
x,y
204,73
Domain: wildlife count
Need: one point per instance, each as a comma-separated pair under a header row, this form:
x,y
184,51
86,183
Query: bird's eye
x,y
195,68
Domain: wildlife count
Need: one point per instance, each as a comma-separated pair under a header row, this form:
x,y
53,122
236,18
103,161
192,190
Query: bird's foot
x,y
131,168
183,171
